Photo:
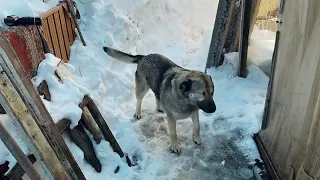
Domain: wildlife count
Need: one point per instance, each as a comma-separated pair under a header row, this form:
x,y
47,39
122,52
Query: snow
x,y
180,30
261,49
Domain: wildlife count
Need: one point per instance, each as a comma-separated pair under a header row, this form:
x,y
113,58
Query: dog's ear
x,y
186,85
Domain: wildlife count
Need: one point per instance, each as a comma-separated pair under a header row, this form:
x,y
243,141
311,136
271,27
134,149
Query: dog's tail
x,y
121,56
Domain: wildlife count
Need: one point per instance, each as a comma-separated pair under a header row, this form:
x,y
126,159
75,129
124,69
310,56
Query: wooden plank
x,y
266,159
60,36
89,122
69,27
54,36
14,148
17,172
65,32
46,31
63,124
35,105
50,12
16,108
104,127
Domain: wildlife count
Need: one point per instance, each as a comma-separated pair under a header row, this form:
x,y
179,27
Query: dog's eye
x,y
212,94
204,93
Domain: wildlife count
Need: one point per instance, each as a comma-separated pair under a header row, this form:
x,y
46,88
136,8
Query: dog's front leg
x,y
174,144
196,127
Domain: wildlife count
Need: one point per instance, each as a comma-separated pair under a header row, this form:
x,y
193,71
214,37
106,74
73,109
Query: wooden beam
x,y
244,36
104,127
17,172
90,124
15,107
17,153
35,106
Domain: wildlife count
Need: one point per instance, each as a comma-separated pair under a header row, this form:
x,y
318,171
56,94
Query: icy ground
x,y
180,30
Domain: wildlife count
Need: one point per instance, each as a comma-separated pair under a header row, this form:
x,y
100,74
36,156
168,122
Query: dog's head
x,y
198,88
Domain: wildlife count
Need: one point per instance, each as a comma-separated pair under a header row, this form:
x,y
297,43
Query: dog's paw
x,y
137,116
175,148
196,139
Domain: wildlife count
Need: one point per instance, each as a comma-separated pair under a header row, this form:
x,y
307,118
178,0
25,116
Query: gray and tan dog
x,y
179,92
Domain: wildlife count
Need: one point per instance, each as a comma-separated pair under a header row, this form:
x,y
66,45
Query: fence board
x,y
46,31
65,32
59,30
60,36
54,36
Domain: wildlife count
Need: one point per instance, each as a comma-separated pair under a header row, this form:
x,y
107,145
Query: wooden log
x,y
17,172
18,154
36,107
90,124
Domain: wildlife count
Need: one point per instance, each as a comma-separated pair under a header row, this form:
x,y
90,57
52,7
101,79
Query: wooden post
x,y
224,19
18,154
24,86
71,11
244,36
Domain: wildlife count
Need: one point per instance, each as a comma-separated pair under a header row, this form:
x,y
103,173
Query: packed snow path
x,y
180,30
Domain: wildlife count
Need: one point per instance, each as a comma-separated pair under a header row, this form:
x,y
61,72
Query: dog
x,y
179,92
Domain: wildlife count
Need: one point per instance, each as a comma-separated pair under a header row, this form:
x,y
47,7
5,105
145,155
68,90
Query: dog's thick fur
x,y
179,92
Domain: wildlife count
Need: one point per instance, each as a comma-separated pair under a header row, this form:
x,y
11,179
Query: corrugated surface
x,y
292,136
59,31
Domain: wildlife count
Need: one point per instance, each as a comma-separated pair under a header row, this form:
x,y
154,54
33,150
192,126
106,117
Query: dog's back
x,y
150,68
153,68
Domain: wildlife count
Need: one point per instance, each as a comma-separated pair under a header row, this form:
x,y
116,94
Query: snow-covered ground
x,y
180,30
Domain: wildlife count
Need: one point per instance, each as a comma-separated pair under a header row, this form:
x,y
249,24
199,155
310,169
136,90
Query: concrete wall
x,y
292,136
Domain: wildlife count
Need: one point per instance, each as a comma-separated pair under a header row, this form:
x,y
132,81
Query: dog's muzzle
x,y
208,106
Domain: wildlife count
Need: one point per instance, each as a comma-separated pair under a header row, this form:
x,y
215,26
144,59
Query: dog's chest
x,y
182,111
